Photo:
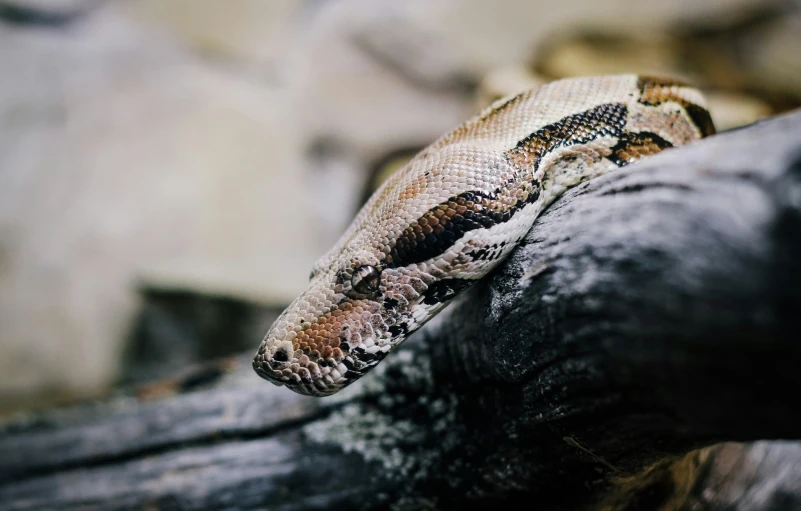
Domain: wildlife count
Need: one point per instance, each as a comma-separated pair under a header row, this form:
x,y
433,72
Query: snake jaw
x,y
332,334
326,340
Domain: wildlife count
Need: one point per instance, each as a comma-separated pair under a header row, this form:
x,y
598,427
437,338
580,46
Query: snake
x,y
457,209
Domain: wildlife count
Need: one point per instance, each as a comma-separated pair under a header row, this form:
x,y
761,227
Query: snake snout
x,y
322,343
303,370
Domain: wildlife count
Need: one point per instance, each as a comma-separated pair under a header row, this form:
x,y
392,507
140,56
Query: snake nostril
x,y
280,356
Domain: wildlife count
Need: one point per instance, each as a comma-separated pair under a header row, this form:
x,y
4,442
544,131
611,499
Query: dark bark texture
x,y
640,350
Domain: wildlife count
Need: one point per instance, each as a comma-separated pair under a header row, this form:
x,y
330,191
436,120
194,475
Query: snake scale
x,y
457,209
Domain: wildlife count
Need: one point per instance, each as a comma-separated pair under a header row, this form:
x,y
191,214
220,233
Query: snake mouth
x,y
299,378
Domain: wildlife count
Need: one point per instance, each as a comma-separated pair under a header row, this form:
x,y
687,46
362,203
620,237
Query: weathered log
x,y
650,315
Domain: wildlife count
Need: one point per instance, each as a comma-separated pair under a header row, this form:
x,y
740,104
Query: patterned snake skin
x,y
457,209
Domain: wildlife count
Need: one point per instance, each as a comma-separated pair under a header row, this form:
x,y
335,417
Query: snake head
x,y
457,209
405,256
353,313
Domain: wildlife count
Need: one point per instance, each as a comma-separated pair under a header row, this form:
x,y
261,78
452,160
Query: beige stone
x,y
254,32
503,82
123,159
773,58
731,110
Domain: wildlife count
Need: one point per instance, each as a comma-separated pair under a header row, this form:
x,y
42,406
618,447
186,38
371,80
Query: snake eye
x,y
366,279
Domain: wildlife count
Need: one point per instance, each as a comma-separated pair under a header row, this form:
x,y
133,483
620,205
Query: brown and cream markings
x,y
457,209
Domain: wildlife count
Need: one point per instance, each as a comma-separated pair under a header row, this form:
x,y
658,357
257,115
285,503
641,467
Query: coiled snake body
x,y
457,209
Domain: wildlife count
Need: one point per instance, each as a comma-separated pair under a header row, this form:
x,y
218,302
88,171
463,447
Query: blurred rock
x,y
773,60
123,158
178,329
254,34
731,110
595,54
503,82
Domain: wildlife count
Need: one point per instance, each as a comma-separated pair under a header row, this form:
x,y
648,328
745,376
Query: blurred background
x,y
170,169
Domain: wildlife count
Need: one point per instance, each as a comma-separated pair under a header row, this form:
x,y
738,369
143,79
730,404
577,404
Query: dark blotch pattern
x,y
701,119
489,253
441,226
635,146
479,254
370,358
444,290
608,119
656,91
505,105
397,330
351,368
